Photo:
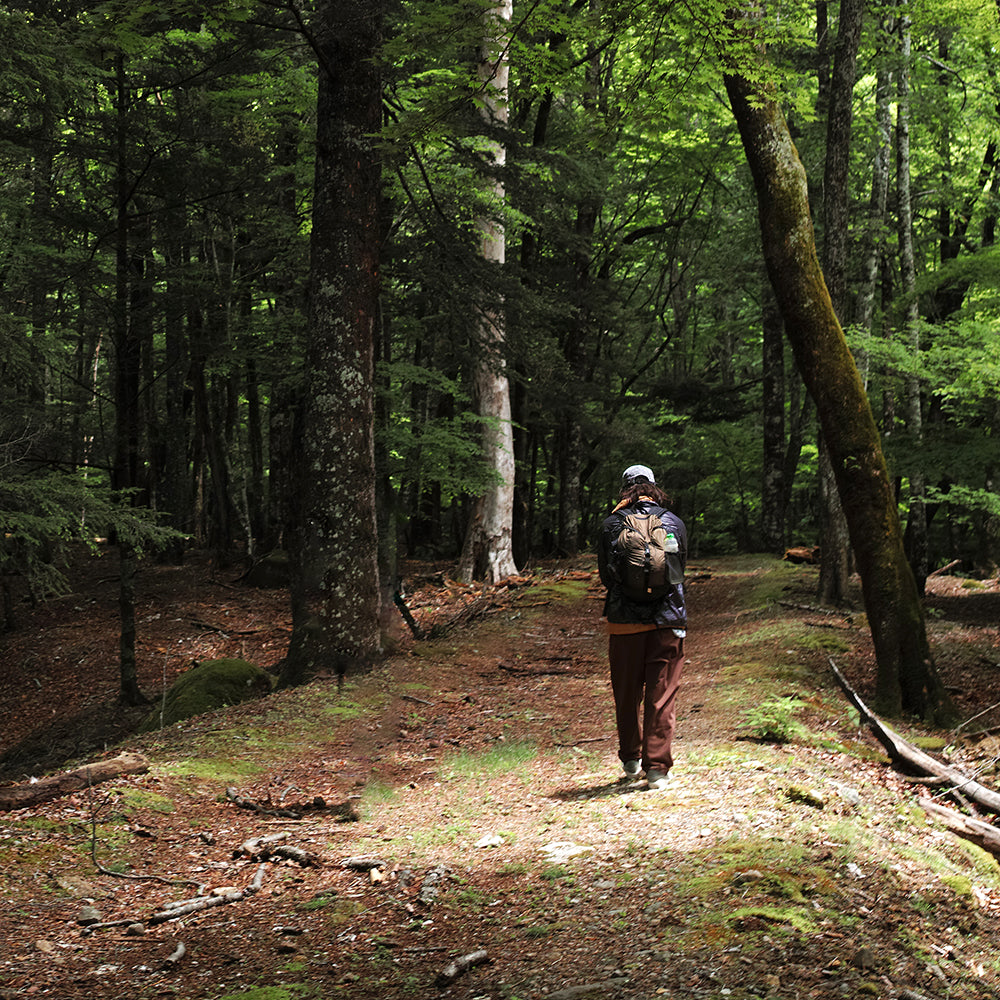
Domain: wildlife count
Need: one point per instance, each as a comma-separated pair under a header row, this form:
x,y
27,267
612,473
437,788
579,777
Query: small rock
x,y
563,850
135,930
850,795
45,946
77,887
88,915
864,959
489,840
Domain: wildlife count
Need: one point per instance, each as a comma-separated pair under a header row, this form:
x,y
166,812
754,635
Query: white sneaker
x,y
632,768
656,780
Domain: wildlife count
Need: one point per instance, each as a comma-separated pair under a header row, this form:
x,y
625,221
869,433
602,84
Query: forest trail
x,y
480,771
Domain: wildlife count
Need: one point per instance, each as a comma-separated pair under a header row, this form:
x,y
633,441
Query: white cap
x,y
635,473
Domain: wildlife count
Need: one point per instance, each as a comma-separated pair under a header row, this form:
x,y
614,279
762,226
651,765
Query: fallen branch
x,y
252,848
364,863
297,854
418,632
419,701
985,835
453,970
187,907
978,715
521,672
242,803
906,755
345,812
944,569
34,792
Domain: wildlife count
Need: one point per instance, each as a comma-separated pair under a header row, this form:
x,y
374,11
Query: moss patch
x,y
210,685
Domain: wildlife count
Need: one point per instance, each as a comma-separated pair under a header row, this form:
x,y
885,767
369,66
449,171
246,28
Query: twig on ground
x,y
208,902
463,963
242,803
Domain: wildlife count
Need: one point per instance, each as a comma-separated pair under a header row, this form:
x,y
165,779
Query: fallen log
x,y
35,792
985,835
908,757
200,903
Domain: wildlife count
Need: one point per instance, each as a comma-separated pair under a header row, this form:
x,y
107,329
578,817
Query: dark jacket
x,y
669,611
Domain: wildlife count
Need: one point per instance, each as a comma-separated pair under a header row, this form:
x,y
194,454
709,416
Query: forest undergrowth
x,y
456,824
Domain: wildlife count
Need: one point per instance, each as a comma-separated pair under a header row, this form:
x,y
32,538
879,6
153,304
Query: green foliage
x,y
773,721
43,515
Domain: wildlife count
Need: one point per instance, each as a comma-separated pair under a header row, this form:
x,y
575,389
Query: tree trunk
x,y
335,575
175,489
873,240
127,359
488,550
907,680
772,493
834,542
916,527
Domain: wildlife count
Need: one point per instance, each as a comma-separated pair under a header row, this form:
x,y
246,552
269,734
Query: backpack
x,y
644,557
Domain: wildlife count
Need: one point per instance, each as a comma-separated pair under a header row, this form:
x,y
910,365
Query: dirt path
x,y
482,769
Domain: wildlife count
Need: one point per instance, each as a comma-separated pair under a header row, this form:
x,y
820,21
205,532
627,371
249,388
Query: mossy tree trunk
x,y
335,577
907,680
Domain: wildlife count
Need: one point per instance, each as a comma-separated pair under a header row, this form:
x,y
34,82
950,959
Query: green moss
x,y
141,798
210,685
320,902
959,884
823,643
221,769
790,917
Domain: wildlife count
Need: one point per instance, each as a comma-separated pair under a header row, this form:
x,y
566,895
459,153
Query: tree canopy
x,y
157,206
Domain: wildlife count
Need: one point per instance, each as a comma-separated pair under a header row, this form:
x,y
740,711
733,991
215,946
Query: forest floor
x,y
472,786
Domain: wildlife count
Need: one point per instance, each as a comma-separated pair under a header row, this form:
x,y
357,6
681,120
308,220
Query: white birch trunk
x,y
488,550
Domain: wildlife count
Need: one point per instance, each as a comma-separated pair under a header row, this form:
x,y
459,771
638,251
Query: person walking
x,y
641,557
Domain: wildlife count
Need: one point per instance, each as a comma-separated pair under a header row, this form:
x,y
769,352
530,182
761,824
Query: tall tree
x,y
916,527
834,567
127,346
488,550
907,679
335,588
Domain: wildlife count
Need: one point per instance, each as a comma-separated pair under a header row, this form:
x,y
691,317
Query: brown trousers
x,y
645,675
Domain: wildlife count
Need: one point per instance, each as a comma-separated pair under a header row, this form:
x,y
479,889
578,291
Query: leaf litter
x,y
504,855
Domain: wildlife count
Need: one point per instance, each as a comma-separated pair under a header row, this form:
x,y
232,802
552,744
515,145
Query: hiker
x,y
641,558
